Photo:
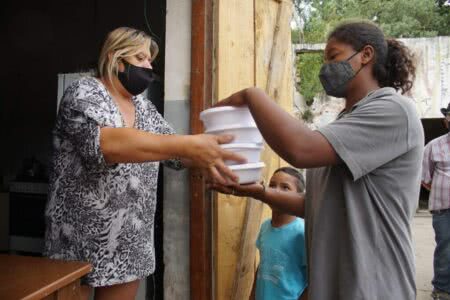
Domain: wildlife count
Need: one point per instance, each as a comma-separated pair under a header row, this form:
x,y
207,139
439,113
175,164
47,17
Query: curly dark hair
x,y
394,62
296,174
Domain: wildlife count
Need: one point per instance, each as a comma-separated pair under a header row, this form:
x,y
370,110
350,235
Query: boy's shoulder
x,y
300,222
266,224
299,225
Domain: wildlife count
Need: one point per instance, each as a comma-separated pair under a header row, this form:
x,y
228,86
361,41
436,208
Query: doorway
x,y
51,37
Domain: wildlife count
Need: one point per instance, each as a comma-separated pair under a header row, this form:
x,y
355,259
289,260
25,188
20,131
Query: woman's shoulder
x,y
83,91
146,102
390,97
86,84
388,102
400,113
87,88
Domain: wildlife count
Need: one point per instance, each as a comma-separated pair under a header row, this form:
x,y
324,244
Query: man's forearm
x,y
286,135
289,202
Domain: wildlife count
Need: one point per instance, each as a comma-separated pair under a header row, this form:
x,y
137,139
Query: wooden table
x,y
25,277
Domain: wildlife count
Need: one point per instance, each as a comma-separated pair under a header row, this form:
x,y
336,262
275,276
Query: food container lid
x,y
222,109
228,127
242,146
257,165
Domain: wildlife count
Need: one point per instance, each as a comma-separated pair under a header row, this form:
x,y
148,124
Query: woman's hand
x,y
205,152
254,190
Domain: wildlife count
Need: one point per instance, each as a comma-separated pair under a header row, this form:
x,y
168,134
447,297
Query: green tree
x,y
397,18
443,8
308,67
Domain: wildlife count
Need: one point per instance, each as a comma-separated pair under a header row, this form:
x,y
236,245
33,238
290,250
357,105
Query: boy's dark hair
x,y
394,65
294,173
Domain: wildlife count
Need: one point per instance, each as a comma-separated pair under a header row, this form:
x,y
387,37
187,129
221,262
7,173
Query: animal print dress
x,y
97,212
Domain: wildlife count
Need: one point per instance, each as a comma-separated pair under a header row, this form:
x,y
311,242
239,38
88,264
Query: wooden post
x,y
201,93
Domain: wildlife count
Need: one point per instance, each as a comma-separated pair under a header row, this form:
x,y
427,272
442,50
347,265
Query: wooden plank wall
x,y
252,48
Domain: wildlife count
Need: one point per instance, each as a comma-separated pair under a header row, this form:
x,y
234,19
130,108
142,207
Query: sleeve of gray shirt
x,y
370,136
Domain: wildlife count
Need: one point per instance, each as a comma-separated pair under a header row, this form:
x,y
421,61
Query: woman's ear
x,y
120,66
110,55
119,62
368,54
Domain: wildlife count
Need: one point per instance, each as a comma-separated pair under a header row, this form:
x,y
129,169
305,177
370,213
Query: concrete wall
x,y
431,89
176,188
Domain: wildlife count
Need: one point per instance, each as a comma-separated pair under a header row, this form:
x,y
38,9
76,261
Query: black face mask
x,y
135,79
335,76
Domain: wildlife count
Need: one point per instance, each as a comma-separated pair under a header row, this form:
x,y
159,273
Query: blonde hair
x,y
121,43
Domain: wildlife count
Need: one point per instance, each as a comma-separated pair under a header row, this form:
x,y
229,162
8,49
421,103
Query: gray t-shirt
x,y
359,212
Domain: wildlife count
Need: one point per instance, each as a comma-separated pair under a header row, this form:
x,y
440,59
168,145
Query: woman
x,y
363,169
108,142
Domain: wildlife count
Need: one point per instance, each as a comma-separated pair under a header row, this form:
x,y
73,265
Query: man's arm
x,y
427,168
289,202
426,185
307,150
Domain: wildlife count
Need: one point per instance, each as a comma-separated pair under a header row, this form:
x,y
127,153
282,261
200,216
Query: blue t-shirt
x,y
282,270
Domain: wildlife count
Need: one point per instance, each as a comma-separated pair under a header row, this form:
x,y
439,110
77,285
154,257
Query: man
x,y
436,178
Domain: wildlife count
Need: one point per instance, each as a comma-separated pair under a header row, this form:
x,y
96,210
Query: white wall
x,y
178,50
176,183
431,89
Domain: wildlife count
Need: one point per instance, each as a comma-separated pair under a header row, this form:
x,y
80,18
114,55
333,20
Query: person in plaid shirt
x,y
436,178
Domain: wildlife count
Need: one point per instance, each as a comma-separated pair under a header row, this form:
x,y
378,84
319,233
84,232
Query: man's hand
x,y
236,99
254,190
426,185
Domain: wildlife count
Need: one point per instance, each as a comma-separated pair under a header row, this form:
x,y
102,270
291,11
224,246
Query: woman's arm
x,y
286,135
120,145
129,145
291,203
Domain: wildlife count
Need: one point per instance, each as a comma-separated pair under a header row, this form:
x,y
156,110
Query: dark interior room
x,y
42,39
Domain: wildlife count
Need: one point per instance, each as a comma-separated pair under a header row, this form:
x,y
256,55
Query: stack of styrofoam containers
x,y
248,141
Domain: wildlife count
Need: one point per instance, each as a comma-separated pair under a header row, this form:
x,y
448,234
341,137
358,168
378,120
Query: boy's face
x,y
283,182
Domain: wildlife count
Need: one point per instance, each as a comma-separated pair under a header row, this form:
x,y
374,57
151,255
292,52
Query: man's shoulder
x,y
439,140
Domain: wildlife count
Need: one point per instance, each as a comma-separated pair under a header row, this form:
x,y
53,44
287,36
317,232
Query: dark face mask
x,y
135,79
335,77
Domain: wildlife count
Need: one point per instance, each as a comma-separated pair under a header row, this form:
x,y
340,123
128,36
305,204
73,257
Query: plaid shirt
x,y
436,170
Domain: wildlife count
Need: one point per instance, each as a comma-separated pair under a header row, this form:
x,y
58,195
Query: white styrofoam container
x,y
251,152
248,173
226,116
242,133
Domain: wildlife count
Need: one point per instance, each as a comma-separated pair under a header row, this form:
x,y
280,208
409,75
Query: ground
x,y
423,237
